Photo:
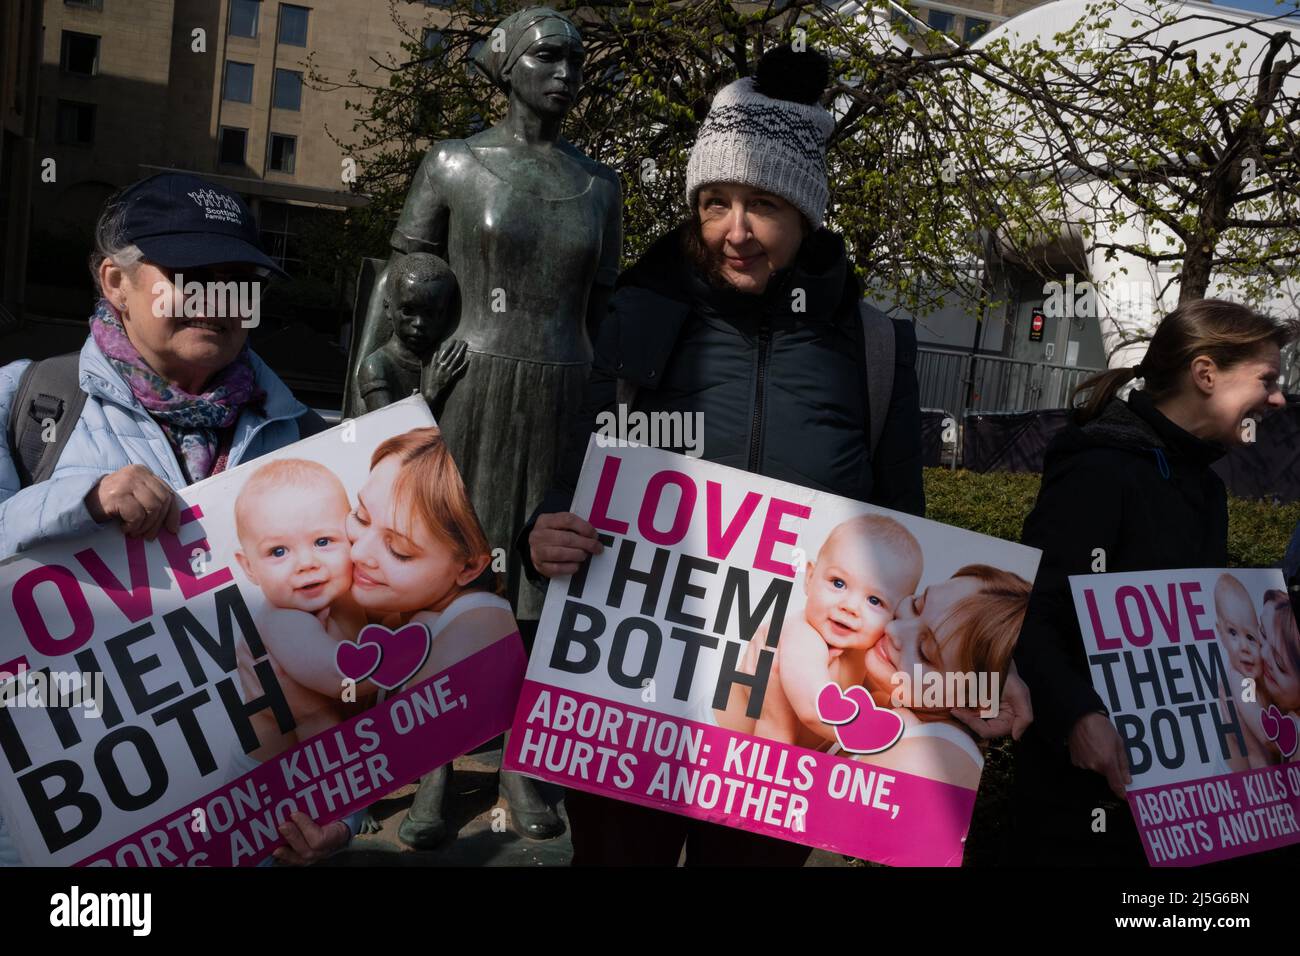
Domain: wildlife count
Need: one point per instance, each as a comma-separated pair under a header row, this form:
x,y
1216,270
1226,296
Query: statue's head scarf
x,y
515,34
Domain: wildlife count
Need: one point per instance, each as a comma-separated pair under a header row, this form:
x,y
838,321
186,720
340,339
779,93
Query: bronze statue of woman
x,y
532,230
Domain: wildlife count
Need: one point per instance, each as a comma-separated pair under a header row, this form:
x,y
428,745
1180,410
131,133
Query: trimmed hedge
x,y
996,503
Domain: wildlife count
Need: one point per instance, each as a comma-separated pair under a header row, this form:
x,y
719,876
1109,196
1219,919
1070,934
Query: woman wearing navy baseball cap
x,y
172,393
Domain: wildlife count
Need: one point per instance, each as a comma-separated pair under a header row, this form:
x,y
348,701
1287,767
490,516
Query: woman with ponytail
x,y
1127,486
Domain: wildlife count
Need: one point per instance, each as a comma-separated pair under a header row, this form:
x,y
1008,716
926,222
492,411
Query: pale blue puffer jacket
x,y
115,431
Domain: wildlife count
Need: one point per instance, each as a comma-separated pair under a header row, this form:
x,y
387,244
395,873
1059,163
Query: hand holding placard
x,y
560,542
1095,744
138,498
1015,711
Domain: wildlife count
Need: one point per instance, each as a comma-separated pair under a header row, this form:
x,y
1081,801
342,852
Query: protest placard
x,y
1199,671
753,653
322,629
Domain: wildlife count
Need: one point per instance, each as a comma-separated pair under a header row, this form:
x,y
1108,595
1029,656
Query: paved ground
x,y
481,836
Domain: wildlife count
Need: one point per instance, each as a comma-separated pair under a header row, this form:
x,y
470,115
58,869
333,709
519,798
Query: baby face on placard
x,y
294,544
854,588
1238,628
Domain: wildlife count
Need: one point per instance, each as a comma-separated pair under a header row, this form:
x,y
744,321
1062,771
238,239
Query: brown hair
x,y
695,251
430,484
988,625
1284,625
990,619
1229,333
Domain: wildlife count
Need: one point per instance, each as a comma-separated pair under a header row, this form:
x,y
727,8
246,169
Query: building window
x,y
431,39
901,21
80,53
279,234
85,4
975,27
232,146
243,17
940,21
293,25
75,123
284,153
238,87
288,90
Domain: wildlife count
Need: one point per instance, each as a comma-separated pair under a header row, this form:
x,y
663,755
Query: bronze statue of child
x,y
421,354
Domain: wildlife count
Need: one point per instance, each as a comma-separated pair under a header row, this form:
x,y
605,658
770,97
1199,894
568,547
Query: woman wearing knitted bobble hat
x,y
749,314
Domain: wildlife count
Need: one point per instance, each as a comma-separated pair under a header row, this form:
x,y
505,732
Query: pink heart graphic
x,y
860,726
357,661
833,707
1268,721
403,652
1280,727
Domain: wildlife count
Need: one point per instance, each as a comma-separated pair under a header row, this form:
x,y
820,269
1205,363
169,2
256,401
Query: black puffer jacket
x,y
783,393
1138,487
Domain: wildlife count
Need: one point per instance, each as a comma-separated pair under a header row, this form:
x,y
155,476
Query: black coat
x,y
782,393
1134,487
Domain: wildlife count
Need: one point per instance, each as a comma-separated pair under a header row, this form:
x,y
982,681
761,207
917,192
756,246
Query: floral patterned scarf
x,y
192,423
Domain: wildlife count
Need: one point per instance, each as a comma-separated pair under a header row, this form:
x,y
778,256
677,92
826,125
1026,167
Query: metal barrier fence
x,y
962,382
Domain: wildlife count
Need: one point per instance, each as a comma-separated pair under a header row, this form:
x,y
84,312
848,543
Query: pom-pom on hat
x,y
769,131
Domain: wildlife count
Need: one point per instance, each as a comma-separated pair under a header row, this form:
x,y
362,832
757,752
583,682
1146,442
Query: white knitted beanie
x,y
769,142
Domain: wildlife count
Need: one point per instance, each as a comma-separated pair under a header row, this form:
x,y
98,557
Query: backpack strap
x,y
878,340
49,393
49,397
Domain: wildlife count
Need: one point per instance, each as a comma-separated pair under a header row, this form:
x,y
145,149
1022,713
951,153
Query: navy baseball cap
x,y
181,221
